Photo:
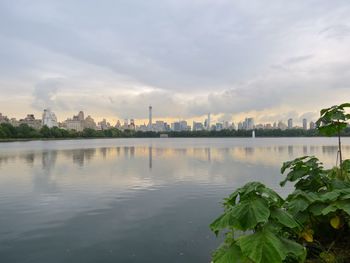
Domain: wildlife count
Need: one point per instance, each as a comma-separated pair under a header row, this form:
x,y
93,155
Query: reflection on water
x,y
130,200
263,155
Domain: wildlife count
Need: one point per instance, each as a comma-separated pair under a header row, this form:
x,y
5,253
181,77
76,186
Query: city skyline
x,y
186,58
79,122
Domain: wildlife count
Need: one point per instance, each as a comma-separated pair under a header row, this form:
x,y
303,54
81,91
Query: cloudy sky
x,y
112,58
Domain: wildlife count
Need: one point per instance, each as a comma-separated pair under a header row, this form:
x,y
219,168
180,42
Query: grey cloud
x,y
44,95
195,56
336,31
298,59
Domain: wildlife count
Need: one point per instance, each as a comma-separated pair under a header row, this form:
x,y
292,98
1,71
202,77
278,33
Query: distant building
x,y
247,124
103,125
4,119
81,115
31,121
176,126
150,118
90,123
268,126
197,126
281,125
132,125
118,125
208,122
312,125
290,123
184,126
142,127
225,125
233,126
259,126
219,126
73,124
49,119
159,126
305,124
78,123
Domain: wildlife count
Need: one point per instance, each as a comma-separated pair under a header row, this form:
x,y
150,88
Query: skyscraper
x,y
305,124
208,122
49,119
290,123
81,115
150,117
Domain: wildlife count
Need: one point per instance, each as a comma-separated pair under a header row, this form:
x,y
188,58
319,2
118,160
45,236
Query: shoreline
x,y
190,137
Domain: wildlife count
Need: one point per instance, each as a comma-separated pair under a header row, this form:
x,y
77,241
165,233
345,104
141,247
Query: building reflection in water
x,y
270,155
304,150
150,157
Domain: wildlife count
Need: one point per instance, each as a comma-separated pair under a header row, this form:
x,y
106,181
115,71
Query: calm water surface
x,y
131,200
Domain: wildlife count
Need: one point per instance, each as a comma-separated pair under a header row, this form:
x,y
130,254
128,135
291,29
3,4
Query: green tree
x,y
332,121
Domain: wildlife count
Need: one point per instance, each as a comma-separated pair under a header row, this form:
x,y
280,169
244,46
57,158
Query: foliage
x,y
333,119
311,225
259,211
8,132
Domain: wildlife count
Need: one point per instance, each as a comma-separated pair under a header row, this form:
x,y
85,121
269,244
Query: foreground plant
x,y
312,224
257,210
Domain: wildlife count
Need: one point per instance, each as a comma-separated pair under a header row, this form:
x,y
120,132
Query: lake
x,y
132,200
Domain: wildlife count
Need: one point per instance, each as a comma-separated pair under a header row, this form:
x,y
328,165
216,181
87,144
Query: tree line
x,y
23,131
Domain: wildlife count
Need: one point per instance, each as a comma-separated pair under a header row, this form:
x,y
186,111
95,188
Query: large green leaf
x,y
329,196
342,205
294,248
284,218
229,254
249,213
317,208
298,204
263,247
225,221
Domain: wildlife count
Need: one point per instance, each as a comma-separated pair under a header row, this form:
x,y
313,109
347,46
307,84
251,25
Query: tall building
x,y
312,125
176,126
49,119
89,123
132,125
290,123
226,125
150,118
81,115
248,124
184,126
159,126
77,122
208,122
305,124
118,125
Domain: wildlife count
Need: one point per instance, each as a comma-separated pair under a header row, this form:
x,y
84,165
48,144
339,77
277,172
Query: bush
x,y
312,223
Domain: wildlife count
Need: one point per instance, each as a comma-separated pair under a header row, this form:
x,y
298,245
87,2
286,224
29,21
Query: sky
x,y
271,60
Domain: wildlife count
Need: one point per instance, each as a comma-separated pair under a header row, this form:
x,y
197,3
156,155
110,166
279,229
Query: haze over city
x,y
185,58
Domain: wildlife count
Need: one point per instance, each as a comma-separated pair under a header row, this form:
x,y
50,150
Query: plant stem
x,y
340,153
